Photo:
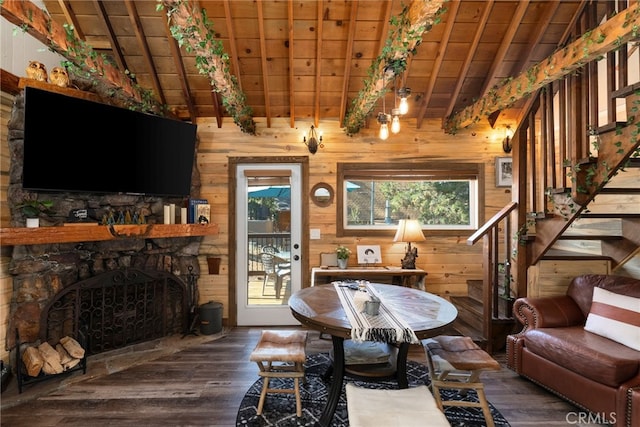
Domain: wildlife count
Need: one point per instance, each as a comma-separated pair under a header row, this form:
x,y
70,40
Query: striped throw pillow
x,y
616,317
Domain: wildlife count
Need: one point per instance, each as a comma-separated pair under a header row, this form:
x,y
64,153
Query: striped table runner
x,y
387,326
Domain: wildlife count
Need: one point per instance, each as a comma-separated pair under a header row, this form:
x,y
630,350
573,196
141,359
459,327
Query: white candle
x,y
183,215
172,213
167,214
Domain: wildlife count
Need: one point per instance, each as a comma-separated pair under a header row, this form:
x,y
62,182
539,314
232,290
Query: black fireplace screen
x,y
118,308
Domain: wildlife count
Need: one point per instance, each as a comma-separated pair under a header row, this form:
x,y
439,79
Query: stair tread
x,y
590,237
609,215
566,255
619,190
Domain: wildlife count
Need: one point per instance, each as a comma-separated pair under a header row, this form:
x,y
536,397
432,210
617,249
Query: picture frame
x,y
504,171
369,254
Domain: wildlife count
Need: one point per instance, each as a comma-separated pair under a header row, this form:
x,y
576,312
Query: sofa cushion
x,y
590,355
616,317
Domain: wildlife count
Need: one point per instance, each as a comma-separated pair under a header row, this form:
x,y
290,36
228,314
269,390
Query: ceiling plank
x,y
467,61
144,46
347,59
116,49
616,31
421,16
446,36
188,19
263,62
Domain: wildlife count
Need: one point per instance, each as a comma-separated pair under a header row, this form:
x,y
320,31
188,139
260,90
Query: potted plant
x,y
32,208
342,253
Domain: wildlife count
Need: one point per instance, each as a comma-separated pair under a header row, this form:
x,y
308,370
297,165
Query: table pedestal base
x,y
339,372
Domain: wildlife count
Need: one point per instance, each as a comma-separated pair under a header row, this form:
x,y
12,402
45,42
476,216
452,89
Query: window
x,y
444,197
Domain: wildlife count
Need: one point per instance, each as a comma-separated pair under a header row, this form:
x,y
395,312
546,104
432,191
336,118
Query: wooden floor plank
x,y
201,380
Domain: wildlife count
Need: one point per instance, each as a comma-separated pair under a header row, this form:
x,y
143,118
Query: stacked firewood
x,y
49,360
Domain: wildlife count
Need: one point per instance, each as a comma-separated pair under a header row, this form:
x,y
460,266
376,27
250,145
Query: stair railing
x,y
497,229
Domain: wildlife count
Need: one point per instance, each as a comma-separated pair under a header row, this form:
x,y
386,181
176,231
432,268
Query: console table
x,y
410,278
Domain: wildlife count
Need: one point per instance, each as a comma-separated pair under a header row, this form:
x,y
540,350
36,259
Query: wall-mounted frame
x,y
504,171
369,254
322,194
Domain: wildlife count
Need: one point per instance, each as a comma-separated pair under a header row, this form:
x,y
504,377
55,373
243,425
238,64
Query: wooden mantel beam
x,y
402,39
615,32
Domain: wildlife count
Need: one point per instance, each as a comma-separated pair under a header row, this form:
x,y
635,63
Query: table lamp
x,y
409,230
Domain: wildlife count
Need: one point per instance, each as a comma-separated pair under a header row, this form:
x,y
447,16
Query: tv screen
x,y
75,145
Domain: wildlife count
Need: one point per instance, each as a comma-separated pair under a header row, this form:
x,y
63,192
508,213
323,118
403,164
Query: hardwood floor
x,y
200,381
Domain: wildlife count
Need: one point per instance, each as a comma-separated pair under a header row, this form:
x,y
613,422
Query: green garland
x,y
195,32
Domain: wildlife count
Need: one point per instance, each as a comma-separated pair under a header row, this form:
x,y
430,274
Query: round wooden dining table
x,y
320,308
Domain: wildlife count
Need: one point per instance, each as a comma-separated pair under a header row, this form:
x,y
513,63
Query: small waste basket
x,y
210,318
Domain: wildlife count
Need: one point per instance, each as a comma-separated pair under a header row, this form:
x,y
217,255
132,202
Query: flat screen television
x,y
75,145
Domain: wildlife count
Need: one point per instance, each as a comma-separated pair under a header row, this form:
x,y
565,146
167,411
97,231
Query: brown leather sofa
x,y
553,350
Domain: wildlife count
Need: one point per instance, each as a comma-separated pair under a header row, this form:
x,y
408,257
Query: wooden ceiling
x,y
300,59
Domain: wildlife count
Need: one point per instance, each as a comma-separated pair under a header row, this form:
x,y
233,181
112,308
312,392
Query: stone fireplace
x,y
153,277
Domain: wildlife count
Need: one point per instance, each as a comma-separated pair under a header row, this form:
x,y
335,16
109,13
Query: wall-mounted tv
x,y
75,145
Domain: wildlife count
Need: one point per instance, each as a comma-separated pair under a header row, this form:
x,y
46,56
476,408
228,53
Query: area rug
x,y
280,409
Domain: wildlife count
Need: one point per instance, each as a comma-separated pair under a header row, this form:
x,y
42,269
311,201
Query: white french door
x,y
268,221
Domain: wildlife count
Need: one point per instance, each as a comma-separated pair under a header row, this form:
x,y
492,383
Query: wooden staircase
x,y
471,315
575,194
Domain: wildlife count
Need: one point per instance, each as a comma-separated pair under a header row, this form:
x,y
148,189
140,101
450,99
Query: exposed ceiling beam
x,y
446,36
292,103
189,27
464,70
348,58
316,107
614,32
263,63
402,39
70,16
111,35
144,47
182,76
233,44
505,43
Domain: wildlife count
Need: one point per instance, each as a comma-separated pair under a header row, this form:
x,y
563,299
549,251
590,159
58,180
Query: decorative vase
x,y
33,222
342,263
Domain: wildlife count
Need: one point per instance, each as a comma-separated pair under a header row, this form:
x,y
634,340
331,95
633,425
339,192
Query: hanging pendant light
x,y
404,93
395,120
383,119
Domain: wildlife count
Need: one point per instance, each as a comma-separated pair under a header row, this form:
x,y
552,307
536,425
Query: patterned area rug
x,y
280,409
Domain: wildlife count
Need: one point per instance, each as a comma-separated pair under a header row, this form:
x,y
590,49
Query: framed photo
x,y
369,254
504,171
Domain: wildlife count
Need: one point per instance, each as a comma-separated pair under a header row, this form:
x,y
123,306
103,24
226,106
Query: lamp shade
x,y
409,230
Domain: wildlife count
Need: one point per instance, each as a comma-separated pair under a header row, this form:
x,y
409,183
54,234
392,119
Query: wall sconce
x,y
404,93
383,119
314,142
395,120
506,142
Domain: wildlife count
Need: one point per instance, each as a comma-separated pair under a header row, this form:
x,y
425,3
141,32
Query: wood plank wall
x,y
448,261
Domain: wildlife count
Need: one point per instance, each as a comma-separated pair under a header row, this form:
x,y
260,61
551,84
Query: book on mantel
x,y
191,210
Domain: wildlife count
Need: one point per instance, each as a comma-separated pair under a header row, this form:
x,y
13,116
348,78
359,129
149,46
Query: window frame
x,y
445,170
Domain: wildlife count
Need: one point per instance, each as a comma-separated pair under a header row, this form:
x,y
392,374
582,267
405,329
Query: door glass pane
x,y
268,240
